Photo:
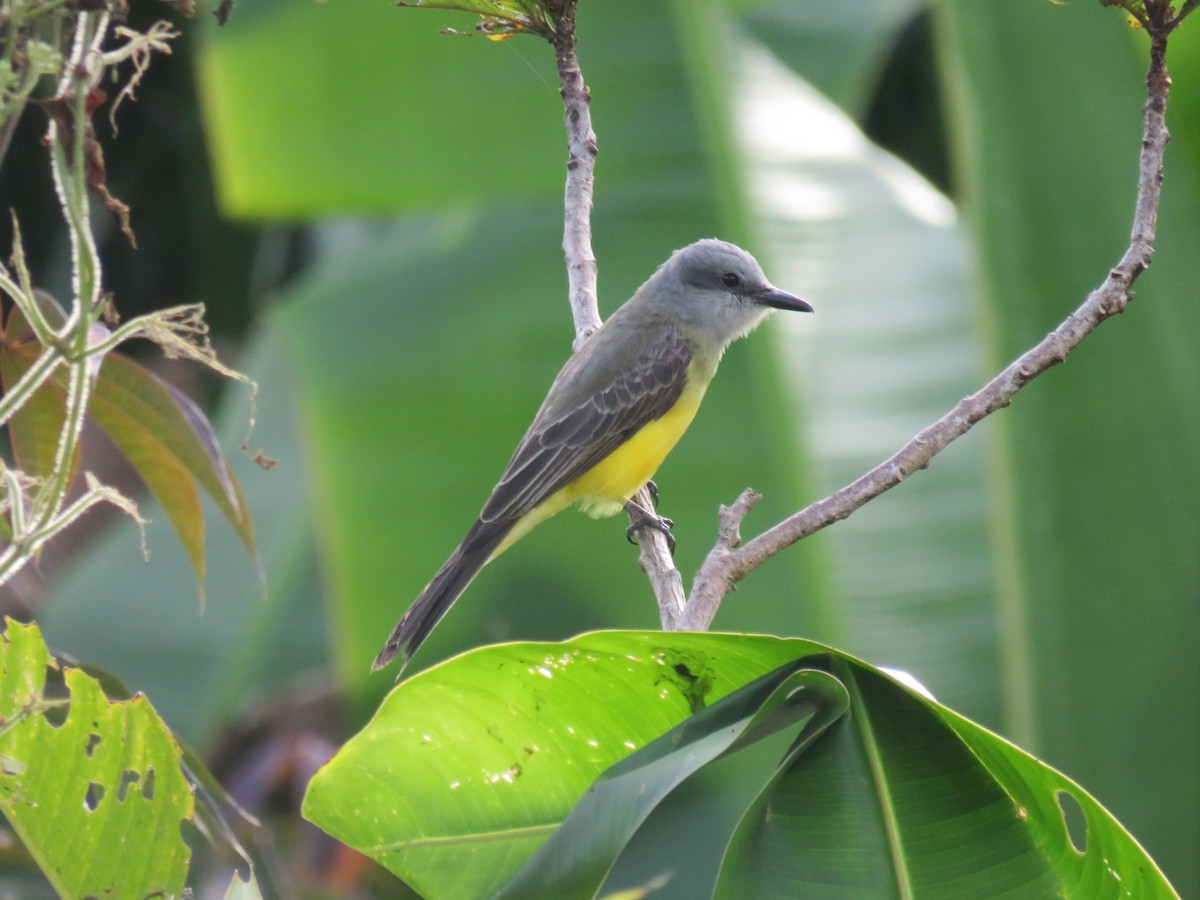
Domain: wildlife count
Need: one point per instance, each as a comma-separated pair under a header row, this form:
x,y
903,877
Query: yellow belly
x,y
605,488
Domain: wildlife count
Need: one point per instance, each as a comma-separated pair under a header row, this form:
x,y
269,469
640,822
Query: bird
x,y
615,410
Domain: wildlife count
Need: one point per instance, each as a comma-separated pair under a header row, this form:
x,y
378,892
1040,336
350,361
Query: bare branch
x,y
713,581
724,566
1187,7
581,168
655,556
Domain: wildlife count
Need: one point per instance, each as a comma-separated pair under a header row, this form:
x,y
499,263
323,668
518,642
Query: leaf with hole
x,y
88,783
468,768
551,756
576,859
904,798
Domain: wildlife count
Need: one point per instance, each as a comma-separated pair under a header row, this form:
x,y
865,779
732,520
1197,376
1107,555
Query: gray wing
x,y
554,453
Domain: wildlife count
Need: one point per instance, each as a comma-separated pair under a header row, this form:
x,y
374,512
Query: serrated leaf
x,y
97,799
215,808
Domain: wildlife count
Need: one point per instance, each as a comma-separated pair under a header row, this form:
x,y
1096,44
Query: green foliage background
x,y
1042,577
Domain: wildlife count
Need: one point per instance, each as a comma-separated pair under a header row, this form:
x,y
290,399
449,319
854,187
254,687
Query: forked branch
x,y
727,563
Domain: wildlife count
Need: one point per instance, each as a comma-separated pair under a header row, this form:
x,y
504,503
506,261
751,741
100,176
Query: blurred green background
x,y
372,212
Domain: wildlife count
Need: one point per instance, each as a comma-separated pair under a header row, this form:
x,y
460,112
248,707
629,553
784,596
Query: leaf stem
x,y
20,393
68,139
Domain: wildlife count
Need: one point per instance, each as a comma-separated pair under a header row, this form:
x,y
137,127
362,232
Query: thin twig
x,y
68,169
724,565
581,168
654,555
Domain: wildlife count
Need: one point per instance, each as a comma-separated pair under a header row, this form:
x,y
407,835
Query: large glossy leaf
x,y
582,851
1094,479
906,799
880,254
97,796
467,769
493,748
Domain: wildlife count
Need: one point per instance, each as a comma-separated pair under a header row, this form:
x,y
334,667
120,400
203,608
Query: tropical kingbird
x,y
613,413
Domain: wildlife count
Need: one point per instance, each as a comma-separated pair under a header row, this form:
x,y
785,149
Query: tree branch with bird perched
x,y
633,385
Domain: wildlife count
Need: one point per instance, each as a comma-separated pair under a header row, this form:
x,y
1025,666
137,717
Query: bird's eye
x,y
730,279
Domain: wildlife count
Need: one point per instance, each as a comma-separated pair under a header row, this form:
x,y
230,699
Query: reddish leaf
x,y
35,428
129,398
165,475
162,432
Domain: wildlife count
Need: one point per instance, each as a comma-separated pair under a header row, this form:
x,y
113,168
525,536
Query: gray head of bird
x,y
719,290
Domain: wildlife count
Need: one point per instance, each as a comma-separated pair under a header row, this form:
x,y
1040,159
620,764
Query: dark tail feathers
x,y
439,595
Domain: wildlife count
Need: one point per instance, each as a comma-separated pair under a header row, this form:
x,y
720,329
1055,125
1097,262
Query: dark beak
x,y
773,296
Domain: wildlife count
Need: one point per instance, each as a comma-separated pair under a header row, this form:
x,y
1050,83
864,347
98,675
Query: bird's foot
x,y
643,518
652,489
